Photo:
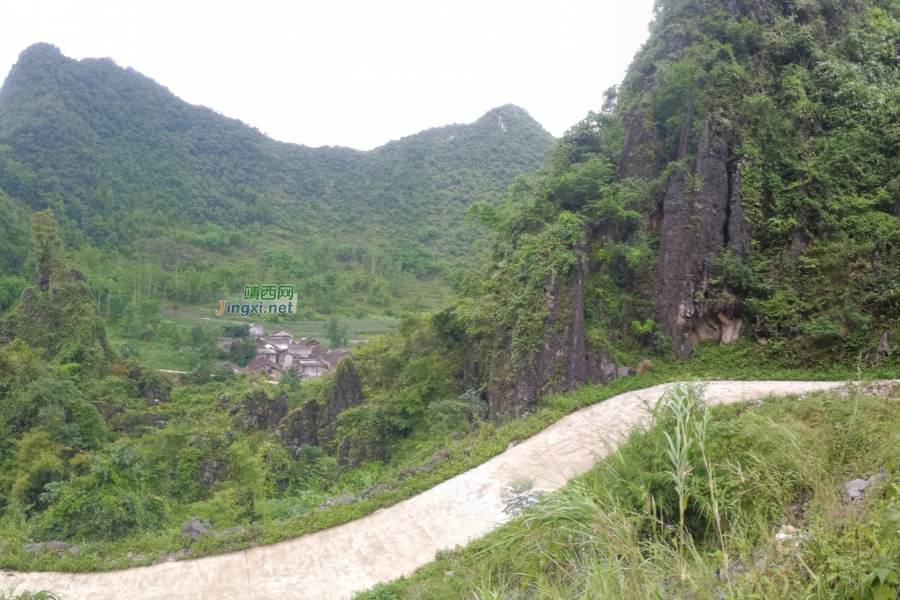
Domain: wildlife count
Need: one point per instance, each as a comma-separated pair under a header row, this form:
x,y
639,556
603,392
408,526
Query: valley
x,y
503,309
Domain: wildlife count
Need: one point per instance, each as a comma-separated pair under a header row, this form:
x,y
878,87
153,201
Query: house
x,y
264,366
256,330
310,367
225,343
281,335
307,347
308,356
264,348
333,357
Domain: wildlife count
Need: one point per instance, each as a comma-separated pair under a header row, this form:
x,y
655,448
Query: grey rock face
x,y
564,360
300,428
57,546
260,412
694,227
634,161
884,348
355,449
346,392
624,372
211,470
193,530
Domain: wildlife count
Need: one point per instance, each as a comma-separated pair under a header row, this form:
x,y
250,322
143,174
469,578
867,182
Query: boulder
x,y
855,488
374,490
34,548
624,372
440,456
56,546
193,529
230,531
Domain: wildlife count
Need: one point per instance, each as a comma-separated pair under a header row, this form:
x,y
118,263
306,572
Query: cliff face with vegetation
x,y
741,184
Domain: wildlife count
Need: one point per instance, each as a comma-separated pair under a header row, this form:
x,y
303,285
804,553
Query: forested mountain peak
x,y
128,166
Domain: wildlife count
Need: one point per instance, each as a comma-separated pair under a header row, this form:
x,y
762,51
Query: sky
x,y
348,72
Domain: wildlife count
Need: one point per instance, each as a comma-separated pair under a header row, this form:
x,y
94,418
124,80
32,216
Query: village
x,y
278,352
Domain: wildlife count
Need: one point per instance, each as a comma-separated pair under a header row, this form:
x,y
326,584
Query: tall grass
x,y
689,508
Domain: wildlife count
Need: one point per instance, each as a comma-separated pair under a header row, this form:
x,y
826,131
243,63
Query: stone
x,y
407,472
440,456
230,531
211,470
374,490
193,529
624,372
34,548
344,498
74,550
884,348
357,448
57,546
697,223
855,488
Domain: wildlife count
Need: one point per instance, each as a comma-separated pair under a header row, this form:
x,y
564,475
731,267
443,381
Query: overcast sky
x,y
352,73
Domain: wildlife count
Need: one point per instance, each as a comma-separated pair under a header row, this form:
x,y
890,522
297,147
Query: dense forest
x,y
173,202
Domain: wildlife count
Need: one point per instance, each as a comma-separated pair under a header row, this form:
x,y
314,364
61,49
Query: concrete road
x,y
394,541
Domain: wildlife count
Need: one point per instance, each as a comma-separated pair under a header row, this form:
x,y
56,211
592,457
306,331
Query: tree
x,y
242,351
336,333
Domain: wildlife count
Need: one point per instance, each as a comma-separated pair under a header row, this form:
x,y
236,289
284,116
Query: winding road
x,y
394,541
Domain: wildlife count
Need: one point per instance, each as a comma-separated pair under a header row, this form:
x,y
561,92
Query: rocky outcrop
x,y
564,359
346,392
315,425
698,223
193,530
300,428
356,449
636,159
210,471
259,411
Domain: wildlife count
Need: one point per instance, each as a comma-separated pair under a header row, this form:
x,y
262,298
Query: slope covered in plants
x,y
741,184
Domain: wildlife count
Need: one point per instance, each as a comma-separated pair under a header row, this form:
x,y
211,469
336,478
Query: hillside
x,y
130,168
740,186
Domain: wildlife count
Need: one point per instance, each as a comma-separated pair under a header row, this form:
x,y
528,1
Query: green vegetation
x,y
741,501
165,201
800,102
784,113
